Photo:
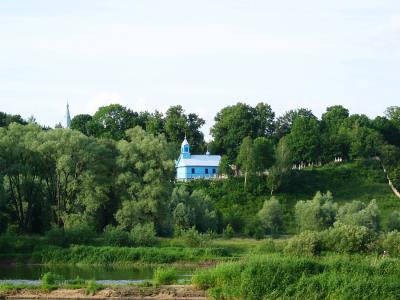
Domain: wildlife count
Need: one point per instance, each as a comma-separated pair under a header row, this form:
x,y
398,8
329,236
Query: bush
x,y
394,221
143,235
391,243
228,232
80,234
357,213
92,287
114,236
56,236
344,238
271,216
50,279
316,214
306,243
165,276
193,238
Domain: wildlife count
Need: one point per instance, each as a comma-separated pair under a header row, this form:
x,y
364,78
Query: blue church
x,y
196,166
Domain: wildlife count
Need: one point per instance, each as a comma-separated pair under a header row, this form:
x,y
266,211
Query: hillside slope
x,y
362,180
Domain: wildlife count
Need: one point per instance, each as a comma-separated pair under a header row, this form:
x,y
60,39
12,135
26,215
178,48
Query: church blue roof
x,y
199,161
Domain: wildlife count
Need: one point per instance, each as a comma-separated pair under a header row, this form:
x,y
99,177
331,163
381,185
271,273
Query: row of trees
x,y
117,166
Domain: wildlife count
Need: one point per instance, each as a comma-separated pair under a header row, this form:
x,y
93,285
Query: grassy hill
x,y
361,180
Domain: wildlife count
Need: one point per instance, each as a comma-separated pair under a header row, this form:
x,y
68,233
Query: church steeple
x,y
185,148
68,117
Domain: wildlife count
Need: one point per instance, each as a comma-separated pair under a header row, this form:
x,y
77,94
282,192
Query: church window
x,y
193,170
214,171
206,171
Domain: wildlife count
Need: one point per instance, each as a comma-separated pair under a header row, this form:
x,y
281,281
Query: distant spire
x,y
68,117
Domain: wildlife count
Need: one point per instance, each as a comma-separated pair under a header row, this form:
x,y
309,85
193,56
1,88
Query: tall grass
x,y
124,255
288,277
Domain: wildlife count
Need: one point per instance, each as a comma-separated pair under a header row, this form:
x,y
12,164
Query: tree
x,y
192,210
304,140
78,176
178,124
393,113
114,120
263,153
271,216
6,119
333,144
234,123
284,123
82,123
388,129
316,214
23,173
358,213
246,158
394,221
146,177
281,170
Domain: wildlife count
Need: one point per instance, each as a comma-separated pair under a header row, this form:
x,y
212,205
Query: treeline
x,y
116,168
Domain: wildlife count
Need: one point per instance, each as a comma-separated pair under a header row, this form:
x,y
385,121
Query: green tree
x,y
6,119
246,158
22,167
358,213
280,172
146,177
234,123
114,120
316,214
177,124
78,175
394,221
304,140
263,153
284,123
271,216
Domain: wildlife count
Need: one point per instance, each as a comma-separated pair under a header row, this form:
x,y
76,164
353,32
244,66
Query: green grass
x,y
124,255
287,277
165,276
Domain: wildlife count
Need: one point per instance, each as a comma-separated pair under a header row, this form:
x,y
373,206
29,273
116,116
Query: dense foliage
x,y
113,172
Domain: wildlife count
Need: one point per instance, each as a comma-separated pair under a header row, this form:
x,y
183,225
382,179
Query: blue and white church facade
x,y
190,166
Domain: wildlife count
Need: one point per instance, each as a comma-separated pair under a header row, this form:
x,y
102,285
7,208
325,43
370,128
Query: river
x,y
111,275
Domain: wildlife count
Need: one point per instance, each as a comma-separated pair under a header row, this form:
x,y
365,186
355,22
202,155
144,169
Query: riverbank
x,y
186,292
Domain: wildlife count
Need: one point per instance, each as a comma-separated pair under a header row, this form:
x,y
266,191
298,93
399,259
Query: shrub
x,y
357,213
165,276
114,236
228,232
391,243
143,235
193,238
344,238
270,245
306,243
56,236
316,214
271,216
80,234
92,287
394,221
49,279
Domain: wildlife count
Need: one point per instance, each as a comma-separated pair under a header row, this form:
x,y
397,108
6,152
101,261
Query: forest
x,y
115,170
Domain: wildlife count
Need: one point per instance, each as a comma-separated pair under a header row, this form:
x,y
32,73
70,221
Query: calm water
x,y
98,273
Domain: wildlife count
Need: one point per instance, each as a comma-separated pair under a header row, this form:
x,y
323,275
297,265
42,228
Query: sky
x,y
203,55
